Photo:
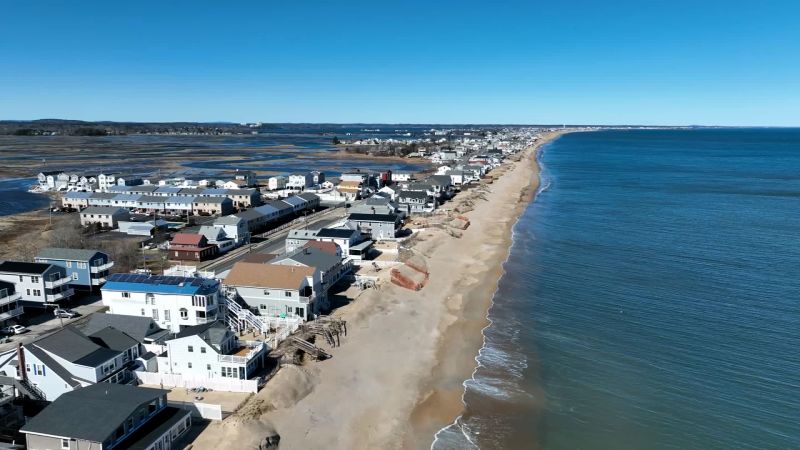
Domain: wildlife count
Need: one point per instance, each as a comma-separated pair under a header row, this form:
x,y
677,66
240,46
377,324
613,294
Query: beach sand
x,y
397,378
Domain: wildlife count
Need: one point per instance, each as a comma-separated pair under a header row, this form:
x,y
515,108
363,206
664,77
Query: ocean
x,y
651,299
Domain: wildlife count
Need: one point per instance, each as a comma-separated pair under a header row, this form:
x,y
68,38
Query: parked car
x,y
15,329
64,313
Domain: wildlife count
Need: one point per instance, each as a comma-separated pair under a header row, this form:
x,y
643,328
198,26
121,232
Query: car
x,y
65,313
15,329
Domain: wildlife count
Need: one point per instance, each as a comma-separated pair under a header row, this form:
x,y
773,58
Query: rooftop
x,y
156,284
72,254
23,267
91,413
267,275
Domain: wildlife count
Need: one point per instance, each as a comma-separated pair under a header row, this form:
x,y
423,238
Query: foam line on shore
x,y
478,364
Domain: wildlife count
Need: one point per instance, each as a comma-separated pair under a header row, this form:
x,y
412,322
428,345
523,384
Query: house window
x,y
166,315
201,314
20,279
27,290
202,349
126,295
74,275
288,293
142,311
37,292
190,365
82,265
69,264
155,314
208,366
184,313
65,443
35,279
191,349
266,291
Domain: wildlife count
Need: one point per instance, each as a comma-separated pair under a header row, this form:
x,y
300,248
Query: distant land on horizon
x,y
108,128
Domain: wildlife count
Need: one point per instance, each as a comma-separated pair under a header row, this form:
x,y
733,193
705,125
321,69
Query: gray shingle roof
x,y
91,413
212,332
134,326
72,345
103,210
70,254
113,339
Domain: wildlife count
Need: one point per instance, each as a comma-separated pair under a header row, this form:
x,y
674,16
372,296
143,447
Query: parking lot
x,y
40,322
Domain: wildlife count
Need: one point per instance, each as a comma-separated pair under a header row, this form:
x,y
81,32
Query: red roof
x,y
189,239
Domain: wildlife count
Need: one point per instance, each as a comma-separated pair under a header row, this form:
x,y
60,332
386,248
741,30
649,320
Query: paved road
x,y
275,243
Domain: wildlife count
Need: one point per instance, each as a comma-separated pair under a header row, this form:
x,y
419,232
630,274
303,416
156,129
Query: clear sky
x,y
603,62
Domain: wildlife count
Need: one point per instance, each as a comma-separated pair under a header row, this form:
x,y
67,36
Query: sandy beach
x,y
397,378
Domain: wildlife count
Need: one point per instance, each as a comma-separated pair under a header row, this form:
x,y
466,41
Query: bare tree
x,y
68,233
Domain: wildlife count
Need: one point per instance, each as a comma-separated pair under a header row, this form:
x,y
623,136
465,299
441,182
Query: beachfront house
x,y
86,268
75,200
300,181
377,226
326,257
67,359
211,350
276,290
38,284
345,238
173,302
415,202
108,416
217,237
105,216
142,329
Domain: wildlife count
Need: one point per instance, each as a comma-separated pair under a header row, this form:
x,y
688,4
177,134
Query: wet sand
x,y
397,378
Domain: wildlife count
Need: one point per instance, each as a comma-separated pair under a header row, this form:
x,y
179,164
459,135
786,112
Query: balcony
x,y
66,293
102,267
247,351
98,281
306,300
50,284
5,298
11,314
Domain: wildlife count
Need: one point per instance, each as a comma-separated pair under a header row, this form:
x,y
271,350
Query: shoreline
x,y
398,377
479,301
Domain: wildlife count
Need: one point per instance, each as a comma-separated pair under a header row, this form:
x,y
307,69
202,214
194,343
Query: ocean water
x,y
15,198
651,300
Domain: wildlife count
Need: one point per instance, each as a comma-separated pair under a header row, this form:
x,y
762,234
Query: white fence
x,y
202,410
187,381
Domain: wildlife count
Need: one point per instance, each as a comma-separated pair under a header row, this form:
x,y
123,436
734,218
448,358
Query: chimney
x,y
21,362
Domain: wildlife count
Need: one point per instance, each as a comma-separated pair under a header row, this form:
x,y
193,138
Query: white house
x,y
174,303
211,350
299,181
106,216
276,182
67,359
106,180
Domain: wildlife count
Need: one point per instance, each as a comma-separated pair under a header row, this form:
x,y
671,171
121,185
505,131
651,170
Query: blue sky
x,y
610,62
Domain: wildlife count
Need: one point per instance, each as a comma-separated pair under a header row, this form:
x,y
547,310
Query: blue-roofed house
x,y
86,269
174,303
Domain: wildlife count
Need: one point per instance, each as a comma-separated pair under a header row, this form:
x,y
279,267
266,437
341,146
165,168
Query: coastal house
x,y
276,290
38,284
345,238
297,203
284,209
235,184
277,182
212,206
179,205
352,190
174,303
67,359
106,180
249,178
312,201
217,237
105,216
328,262
129,181
300,181
191,247
47,180
402,176
211,350
456,177
244,198
9,303
234,228
377,226
86,268
108,416
415,202
317,177
148,228
75,200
